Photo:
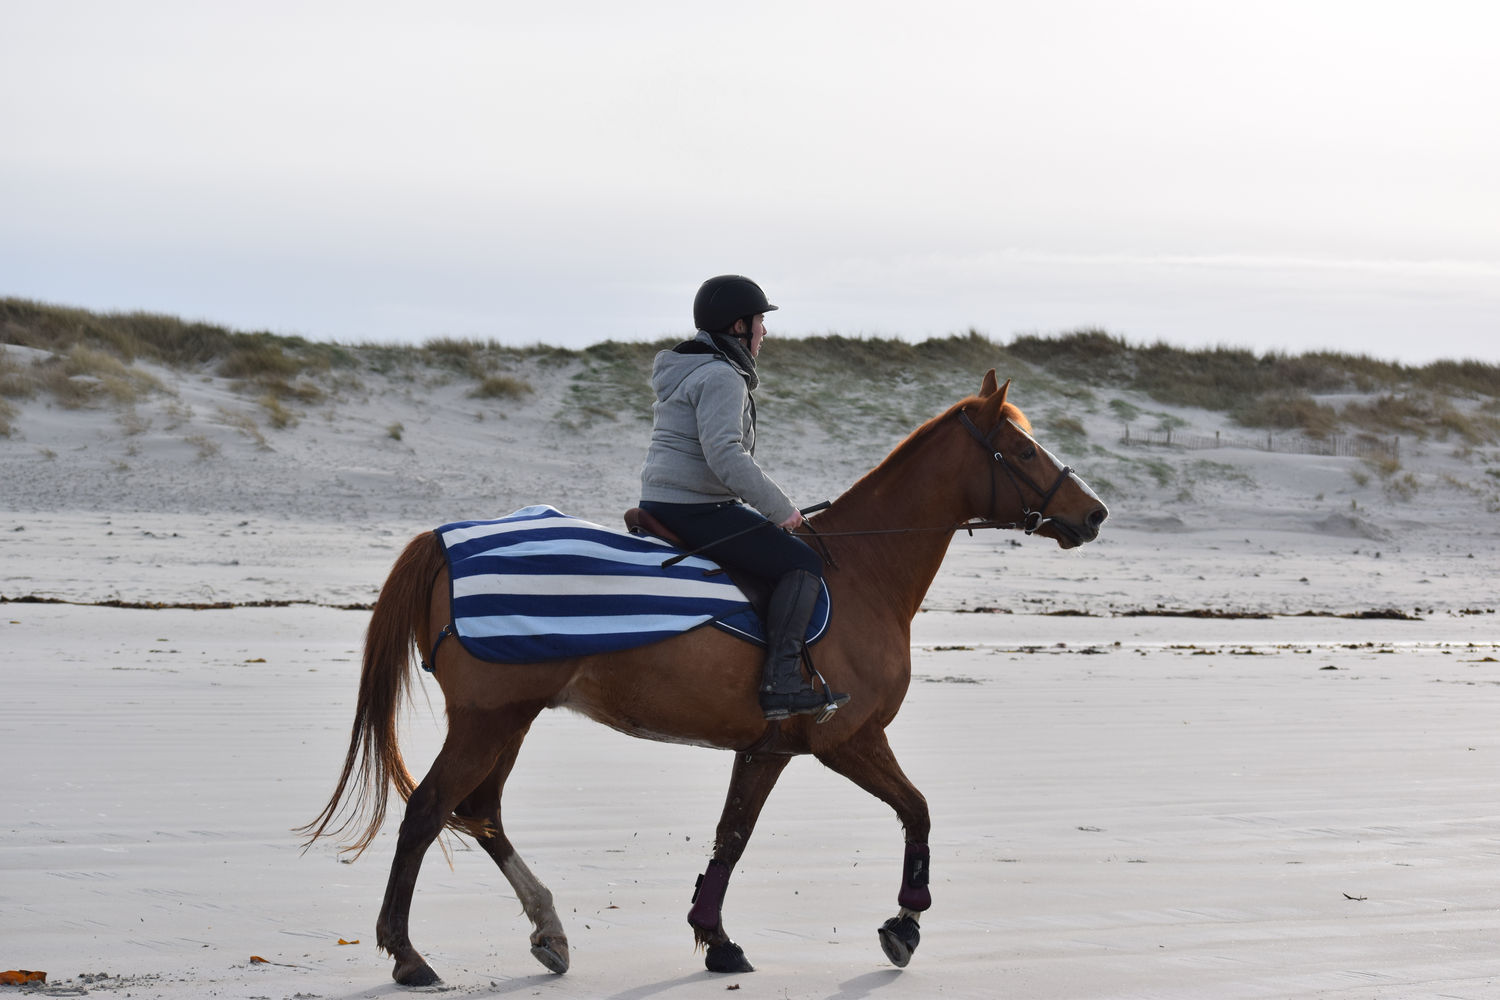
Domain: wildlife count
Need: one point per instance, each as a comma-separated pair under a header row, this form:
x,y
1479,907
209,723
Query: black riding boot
x,y
783,689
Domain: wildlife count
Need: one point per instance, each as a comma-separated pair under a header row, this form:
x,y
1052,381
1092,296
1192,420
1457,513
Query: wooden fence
x,y
1359,446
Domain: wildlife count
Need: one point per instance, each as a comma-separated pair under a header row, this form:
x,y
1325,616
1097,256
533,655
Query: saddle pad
x,y
540,585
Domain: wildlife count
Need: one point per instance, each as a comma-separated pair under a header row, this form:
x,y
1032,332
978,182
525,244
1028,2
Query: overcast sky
x,y
1276,175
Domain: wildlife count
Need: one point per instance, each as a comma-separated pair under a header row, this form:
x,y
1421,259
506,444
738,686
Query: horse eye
x,y
1029,452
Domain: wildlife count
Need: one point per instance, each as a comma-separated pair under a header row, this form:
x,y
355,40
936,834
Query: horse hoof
x,y
552,954
727,957
418,974
898,939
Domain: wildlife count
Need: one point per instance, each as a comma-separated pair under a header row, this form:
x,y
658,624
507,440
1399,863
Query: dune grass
x,y
13,381
1275,390
243,422
847,384
82,376
166,340
501,387
851,386
1422,414
260,360
1287,412
276,412
1063,431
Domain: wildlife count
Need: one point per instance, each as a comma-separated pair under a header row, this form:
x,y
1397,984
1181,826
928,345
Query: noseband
x,y
1031,519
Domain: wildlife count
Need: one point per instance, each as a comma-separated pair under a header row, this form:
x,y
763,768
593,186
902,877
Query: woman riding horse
x,y
886,536
701,480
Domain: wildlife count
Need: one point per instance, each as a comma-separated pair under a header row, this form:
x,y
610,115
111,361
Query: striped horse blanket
x,y
540,585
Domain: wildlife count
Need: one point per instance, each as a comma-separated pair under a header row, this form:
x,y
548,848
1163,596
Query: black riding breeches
x,y
763,550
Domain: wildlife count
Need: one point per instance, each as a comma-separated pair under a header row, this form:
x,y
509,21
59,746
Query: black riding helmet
x,y
722,300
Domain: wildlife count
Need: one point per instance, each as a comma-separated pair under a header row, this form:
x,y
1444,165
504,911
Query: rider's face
x,y
757,333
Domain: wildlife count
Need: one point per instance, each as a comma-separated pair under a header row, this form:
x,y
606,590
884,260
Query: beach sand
x,y
1124,804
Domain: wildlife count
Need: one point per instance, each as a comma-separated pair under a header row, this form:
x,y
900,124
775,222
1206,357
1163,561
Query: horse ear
x,y
993,403
989,386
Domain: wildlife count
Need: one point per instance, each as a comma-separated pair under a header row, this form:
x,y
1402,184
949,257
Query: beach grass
x,y
848,385
501,387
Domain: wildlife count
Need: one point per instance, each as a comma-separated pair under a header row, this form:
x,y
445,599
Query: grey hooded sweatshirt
x,y
703,437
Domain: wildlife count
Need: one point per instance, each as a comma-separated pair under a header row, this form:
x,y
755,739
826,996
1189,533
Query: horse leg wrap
x,y
914,894
708,897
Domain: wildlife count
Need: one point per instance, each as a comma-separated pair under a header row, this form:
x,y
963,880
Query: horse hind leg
x,y
750,785
871,765
549,943
469,753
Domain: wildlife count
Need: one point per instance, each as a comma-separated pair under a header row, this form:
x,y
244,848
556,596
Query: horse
x,y
883,541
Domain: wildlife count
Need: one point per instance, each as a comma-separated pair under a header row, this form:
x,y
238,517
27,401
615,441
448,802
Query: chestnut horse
x,y
885,539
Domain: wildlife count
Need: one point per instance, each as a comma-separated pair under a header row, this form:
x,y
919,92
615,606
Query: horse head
x,y
1024,482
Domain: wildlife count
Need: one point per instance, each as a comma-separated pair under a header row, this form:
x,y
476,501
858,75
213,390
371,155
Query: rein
x,y
970,526
1031,521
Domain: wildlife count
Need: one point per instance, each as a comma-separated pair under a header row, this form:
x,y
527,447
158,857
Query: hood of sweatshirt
x,y
671,367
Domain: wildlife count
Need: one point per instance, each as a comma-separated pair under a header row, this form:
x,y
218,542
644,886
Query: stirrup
x,y
834,703
830,703
785,710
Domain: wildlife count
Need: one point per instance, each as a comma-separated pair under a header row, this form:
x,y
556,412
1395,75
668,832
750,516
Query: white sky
x,y
1276,175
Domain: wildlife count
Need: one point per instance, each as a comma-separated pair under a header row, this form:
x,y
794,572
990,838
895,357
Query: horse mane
x,y
913,442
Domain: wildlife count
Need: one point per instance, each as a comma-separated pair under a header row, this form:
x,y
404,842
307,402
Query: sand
x,y
1124,804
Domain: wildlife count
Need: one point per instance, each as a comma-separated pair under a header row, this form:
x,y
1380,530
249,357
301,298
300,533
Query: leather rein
x,y
1032,519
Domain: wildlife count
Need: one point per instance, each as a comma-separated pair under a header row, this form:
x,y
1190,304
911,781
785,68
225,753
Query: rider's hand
x,y
793,522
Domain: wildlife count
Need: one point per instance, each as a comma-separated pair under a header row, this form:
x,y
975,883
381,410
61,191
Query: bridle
x,y
1031,519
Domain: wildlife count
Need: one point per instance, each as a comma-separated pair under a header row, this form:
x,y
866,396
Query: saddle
x,y
756,590
641,522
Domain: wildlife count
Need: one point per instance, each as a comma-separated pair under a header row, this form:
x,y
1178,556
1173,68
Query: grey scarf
x,y
739,356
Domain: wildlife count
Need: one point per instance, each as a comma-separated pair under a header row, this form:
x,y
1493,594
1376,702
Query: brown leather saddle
x,y
640,522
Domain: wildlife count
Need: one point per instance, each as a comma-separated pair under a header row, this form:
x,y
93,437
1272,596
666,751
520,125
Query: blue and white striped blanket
x,y
540,585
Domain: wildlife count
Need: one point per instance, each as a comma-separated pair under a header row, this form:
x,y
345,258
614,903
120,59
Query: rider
x,y
700,479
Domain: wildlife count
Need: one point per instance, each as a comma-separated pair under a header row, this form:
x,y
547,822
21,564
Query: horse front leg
x,y
868,761
468,754
749,786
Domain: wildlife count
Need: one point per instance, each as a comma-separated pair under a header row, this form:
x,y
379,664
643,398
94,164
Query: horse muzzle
x,y
1072,531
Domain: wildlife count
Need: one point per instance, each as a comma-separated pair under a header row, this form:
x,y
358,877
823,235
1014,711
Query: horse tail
x,y
374,763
